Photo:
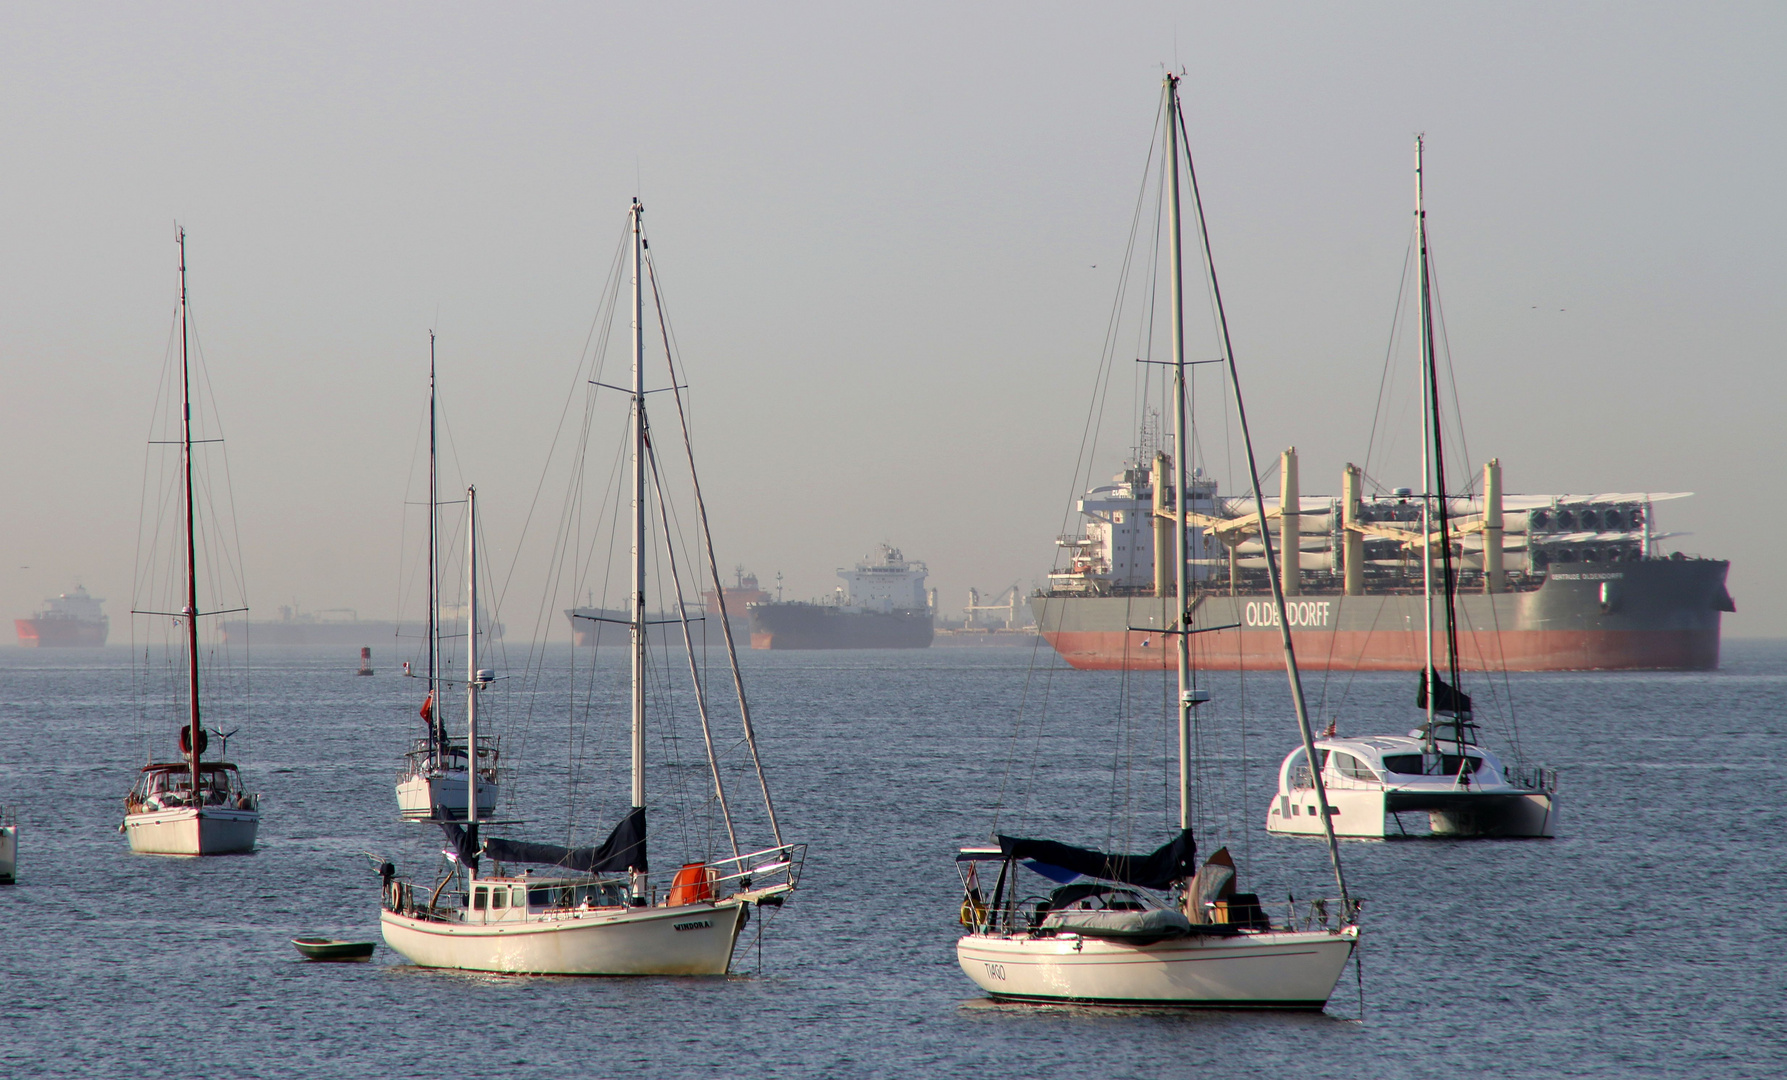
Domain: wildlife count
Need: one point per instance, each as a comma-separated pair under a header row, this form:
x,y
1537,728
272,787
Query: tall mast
x,y
1181,594
435,723
1259,502
471,664
192,569
1427,395
638,598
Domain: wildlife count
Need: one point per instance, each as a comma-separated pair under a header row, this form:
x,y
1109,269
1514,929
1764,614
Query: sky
x,y
888,236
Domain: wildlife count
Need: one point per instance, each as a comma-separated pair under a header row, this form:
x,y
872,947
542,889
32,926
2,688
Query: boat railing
x,y
754,871
1531,777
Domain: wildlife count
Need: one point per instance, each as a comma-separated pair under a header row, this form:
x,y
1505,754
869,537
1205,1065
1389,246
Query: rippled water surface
x,y
1650,938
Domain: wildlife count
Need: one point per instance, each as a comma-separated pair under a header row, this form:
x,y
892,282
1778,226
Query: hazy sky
x,y
887,233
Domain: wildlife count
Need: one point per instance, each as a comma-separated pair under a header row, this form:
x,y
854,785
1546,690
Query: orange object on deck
x,y
693,884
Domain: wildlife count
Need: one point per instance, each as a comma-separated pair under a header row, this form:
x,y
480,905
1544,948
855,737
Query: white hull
x,y
9,853
1276,969
419,795
1369,814
693,939
185,830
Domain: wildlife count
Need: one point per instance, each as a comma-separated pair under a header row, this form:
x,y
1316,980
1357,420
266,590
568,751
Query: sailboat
x,y
9,846
595,910
1440,769
1156,929
434,784
191,806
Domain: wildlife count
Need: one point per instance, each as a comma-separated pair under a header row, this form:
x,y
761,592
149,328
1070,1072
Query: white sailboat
x,y
1154,930
595,910
191,806
434,782
9,846
1439,769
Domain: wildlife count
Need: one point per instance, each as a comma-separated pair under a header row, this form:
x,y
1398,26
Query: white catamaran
x,y
1439,769
434,783
1154,929
597,910
192,806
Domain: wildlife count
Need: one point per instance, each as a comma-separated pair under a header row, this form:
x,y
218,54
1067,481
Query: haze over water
x,y
1647,940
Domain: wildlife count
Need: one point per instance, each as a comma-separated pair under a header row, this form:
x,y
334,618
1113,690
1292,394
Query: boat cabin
x,y
514,899
169,784
1392,761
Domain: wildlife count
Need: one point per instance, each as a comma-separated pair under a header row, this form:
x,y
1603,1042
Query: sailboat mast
x,y
192,566
638,593
1182,597
1427,395
1298,702
471,661
435,723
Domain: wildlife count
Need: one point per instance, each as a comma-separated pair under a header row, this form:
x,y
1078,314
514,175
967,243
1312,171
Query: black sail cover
x,y
1171,862
1447,698
623,850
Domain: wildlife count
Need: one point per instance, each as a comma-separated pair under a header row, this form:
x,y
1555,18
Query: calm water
x,y
1649,939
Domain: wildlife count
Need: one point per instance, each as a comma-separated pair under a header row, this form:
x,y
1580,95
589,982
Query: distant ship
x,y
587,622
72,620
883,605
1546,582
336,626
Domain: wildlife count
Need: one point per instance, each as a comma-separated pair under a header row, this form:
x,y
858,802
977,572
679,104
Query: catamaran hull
x,y
424,798
193,831
694,939
1371,815
9,854
1275,970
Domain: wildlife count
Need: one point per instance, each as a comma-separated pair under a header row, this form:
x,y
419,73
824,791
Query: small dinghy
x,y
322,948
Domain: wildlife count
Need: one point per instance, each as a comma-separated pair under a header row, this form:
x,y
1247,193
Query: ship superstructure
x,y
73,619
1546,582
882,604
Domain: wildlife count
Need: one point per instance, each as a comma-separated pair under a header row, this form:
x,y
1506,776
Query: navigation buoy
x,y
365,660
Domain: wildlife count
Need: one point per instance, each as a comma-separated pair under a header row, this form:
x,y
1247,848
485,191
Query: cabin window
x,y
1349,766
480,899
540,897
518,896
499,899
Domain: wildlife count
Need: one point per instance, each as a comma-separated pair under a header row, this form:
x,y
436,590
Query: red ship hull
x,y
60,633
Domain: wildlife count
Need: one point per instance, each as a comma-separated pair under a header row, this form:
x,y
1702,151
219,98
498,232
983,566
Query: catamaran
x,y
190,806
536,908
1440,769
1155,929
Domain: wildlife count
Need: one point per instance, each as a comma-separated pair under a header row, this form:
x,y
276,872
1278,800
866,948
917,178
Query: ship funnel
x,y
1290,539
1352,542
1494,575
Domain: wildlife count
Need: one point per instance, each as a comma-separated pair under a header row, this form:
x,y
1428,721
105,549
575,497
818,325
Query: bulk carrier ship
x,y
1546,582
883,605
71,620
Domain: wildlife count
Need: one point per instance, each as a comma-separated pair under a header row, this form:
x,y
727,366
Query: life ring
x,y
973,911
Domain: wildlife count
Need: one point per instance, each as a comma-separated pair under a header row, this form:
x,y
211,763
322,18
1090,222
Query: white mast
x,y
1181,594
471,661
1427,390
638,599
436,722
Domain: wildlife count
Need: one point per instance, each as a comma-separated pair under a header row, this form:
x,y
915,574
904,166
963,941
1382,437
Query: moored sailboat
x,y
435,783
597,910
1439,769
1155,929
190,806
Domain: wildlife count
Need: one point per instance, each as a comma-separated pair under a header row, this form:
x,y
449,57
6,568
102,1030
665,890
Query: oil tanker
x,y
71,620
882,605
1544,582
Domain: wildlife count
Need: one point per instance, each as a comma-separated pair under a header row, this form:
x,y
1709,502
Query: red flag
x,y
428,706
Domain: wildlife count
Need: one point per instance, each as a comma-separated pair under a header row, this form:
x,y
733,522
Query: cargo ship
x,y
593,625
72,620
1545,582
882,605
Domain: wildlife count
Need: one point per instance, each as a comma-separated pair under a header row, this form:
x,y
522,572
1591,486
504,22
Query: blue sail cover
x,y
1172,862
623,850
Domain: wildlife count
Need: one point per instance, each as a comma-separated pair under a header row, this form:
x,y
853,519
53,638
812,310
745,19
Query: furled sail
x,y
1447,698
1171,862
623,850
